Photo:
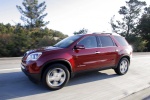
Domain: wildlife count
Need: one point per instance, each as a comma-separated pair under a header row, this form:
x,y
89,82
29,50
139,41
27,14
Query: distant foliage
x,y
130,16
138,44
32,14
132,26
143,28
16,40
82,31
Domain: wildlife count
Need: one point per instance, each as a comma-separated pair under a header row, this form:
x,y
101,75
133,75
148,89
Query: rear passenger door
x,y
107,51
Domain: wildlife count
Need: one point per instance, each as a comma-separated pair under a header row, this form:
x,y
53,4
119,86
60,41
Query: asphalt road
x,y
102,85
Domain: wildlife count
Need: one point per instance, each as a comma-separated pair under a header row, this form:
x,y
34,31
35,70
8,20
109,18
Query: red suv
x,y
55,65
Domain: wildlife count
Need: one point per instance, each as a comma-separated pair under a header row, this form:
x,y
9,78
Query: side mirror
x,y
79,47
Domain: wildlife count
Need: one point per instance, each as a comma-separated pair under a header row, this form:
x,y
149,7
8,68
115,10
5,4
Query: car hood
x,y
43,49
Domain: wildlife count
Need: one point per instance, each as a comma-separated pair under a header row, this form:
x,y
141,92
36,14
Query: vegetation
x,y
132,26
16,40
130,15
82,31
33,14
143,28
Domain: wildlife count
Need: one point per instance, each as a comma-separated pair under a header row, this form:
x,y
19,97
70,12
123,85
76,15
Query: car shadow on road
x,y
147,98
16,84
89,77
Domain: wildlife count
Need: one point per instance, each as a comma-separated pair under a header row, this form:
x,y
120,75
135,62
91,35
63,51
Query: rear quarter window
x,y
121,40
106,41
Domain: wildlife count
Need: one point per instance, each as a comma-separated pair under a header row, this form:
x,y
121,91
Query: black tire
x,y
56,76
122,67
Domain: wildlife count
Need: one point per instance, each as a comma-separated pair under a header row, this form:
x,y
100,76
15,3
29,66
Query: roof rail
x,y
102,33
106,33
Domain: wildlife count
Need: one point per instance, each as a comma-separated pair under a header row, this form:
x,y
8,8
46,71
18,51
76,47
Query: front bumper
x,y
35,77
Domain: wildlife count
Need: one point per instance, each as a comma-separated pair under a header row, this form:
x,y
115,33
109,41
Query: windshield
x,y
67,41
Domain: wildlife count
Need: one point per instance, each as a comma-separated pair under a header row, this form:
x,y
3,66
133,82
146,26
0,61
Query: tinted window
x,y
89,42
106,41
121,40
67,41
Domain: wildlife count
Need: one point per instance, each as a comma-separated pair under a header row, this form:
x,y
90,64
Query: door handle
x,y
117,50
97,52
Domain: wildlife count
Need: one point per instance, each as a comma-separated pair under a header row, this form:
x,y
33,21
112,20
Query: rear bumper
x,y
35,77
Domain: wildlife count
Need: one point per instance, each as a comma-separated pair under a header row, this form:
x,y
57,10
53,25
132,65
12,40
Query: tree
x,y
130,13
33,15
82,31
113,25
144,26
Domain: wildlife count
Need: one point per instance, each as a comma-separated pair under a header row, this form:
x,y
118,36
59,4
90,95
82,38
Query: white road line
x,y
10,69
140,57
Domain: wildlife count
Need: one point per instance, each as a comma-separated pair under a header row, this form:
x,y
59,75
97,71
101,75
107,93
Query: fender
x,y
45,65
126,56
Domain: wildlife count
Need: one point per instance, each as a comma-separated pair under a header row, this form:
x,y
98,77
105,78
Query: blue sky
x,y
68,16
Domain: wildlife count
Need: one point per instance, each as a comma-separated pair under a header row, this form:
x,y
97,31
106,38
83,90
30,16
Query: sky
x,y
68,16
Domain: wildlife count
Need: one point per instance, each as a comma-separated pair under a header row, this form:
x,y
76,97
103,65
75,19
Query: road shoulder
x,y
140,95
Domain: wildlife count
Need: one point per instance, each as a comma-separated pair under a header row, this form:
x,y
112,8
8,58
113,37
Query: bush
x,y
17,40
138,44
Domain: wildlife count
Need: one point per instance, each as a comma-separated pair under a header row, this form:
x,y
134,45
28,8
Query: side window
x,y
89,42
121,40
106,41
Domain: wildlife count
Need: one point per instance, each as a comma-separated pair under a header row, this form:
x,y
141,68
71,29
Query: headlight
x,y
34,56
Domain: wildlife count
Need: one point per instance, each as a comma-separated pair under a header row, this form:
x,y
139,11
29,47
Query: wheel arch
x,y
124,56
61,61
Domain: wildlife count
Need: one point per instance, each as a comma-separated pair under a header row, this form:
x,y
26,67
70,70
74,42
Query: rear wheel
x,y
56,76
122,67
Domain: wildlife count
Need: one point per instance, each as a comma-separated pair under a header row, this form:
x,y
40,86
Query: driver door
x,y
87,58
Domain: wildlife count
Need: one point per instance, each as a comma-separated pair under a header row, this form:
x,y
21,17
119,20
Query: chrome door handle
x,y
117,50
97,52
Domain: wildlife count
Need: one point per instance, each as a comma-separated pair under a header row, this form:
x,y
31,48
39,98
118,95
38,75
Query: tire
x,y
56,76
122,67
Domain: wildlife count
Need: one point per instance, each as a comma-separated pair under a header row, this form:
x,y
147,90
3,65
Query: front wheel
x,y
56,76
122,67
